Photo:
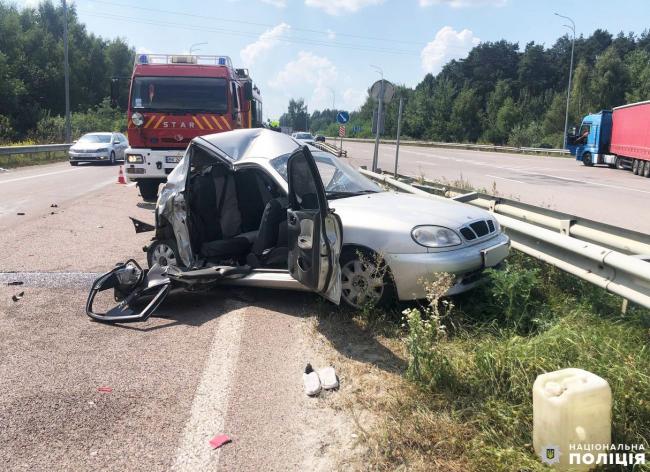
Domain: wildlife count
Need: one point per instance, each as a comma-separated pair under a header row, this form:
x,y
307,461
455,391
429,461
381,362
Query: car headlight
x,y
134,159
102,150
434,236
137,119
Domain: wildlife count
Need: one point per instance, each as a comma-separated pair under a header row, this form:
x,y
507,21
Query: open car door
x,y
314,231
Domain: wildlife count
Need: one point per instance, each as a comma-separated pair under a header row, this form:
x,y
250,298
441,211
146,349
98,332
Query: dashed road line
x,y
210,403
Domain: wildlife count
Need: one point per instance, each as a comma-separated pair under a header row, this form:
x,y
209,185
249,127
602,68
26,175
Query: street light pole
x,y
333,98
66,74
571,28
375,156
195,45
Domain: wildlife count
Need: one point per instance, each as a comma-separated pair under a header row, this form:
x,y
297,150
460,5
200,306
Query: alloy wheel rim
x,y
361,283
164,256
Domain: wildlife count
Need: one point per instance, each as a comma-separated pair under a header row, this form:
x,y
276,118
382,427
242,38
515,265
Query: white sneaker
x,y
328,378
311,381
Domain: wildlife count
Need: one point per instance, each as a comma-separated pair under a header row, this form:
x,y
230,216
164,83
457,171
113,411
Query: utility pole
x,y
375,156
399,131
571,28
66,73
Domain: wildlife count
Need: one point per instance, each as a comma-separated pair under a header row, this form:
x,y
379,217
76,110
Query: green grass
x,y
20,160
473,366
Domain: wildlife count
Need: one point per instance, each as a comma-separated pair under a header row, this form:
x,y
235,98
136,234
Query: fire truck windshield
x,y
179,94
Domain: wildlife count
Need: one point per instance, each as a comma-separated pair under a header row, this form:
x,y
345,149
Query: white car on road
x,y
252,207
98,147
303,137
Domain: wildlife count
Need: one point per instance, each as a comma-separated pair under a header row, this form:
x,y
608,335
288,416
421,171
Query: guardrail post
x,y
565,227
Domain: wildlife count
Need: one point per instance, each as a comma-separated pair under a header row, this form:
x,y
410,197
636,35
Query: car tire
x,y
635,167
164,253
586,159
362,271
112,158
149,190
74,164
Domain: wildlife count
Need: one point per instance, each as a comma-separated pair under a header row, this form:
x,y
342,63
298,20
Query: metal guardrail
x,y
475,147
11,150
338,152
612,258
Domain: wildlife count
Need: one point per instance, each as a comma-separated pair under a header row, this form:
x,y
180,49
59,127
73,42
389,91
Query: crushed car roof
x,y
252,143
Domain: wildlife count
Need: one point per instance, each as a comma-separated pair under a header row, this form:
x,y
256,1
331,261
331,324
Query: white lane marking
x,y
504,178
18,179
426,163
528,172
210,403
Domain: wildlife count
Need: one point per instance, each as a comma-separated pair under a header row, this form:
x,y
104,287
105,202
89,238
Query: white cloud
x,y
331,34
463,3
264,43
353,98
276,3
448,44
338,7
309,76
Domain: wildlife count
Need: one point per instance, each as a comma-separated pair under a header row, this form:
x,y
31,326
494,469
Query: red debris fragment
x,y
105,389
219,440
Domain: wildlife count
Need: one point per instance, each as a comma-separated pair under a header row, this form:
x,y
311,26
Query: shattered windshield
x,y
339,179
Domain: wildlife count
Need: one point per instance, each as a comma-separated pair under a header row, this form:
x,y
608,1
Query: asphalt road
x,y
227,361
32,190
612,196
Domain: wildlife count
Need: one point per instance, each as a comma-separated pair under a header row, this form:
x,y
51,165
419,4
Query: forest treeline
x,y
503,95
31,74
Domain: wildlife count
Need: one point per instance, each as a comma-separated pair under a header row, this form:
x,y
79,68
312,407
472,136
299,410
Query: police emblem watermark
x,y
550,454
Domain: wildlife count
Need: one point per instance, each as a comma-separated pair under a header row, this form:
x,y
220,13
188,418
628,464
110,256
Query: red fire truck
x,y
174,98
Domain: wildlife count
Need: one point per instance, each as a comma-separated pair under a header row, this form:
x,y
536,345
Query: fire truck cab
x,y
173,99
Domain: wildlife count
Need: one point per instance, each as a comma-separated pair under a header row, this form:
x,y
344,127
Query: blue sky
x,y
322,50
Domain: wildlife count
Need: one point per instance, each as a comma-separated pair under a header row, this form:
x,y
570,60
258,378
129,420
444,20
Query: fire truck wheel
x,y
635,167
646,169
586,159
149,190
112,158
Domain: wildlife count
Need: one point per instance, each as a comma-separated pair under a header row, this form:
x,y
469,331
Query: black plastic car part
x,y
132,287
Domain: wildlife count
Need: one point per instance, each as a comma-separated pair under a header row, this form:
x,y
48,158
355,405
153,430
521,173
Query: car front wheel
x,y
164,253
366,280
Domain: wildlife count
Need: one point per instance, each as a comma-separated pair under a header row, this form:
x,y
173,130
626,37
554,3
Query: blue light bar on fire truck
x,y
183,59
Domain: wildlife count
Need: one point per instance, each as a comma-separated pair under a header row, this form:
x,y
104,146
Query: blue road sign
x,y
342,117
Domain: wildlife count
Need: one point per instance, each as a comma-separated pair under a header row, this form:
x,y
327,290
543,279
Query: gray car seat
x,y
216,217
270,247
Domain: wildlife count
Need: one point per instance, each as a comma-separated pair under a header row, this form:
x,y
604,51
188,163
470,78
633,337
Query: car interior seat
x,y
270,246
216,216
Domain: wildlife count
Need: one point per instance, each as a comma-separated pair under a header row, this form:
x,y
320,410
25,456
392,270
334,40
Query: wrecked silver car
x,y
254,207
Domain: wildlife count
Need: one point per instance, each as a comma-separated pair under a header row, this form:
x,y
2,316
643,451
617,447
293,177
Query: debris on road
x,y
219,440
105,389
17,297
328,378
100,226
54,205
311,381
15,282
20,213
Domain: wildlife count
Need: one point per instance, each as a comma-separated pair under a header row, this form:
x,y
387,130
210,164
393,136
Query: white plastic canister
x,y
571,414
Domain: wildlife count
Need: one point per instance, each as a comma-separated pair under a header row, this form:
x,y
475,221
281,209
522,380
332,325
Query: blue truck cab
x,y
590,144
